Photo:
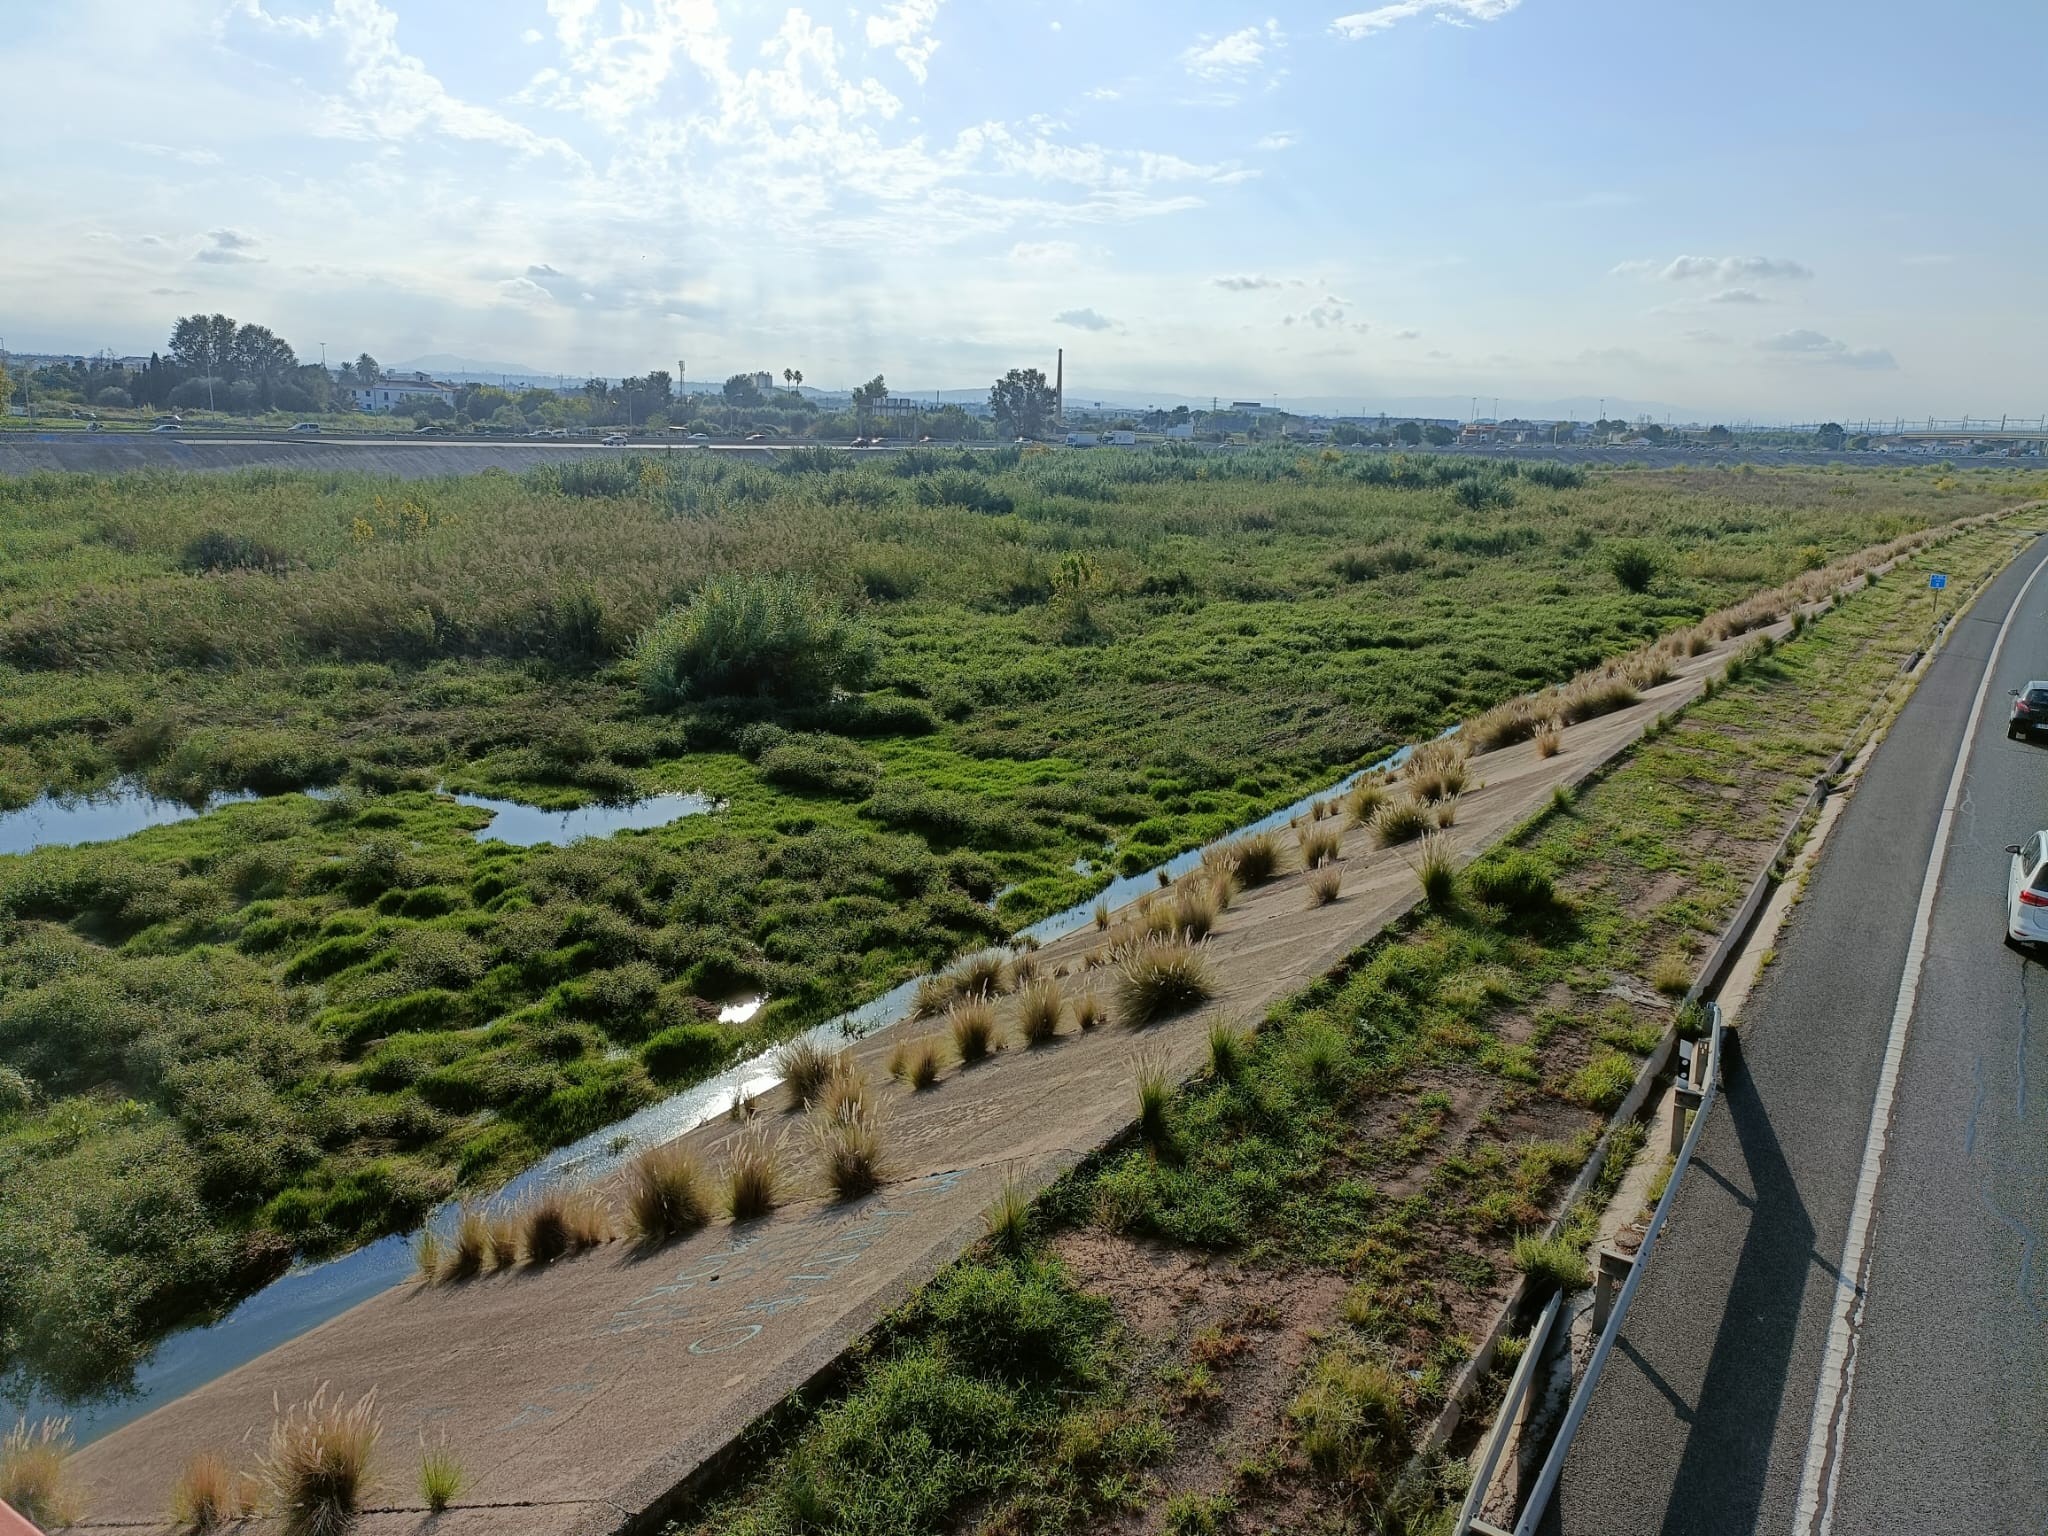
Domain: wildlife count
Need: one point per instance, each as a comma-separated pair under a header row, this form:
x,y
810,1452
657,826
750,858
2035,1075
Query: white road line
x,y
1823,1468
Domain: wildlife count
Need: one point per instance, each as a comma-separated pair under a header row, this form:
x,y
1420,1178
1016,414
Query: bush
x,y
821,765
753,1179
916,1062
207,1495
1038,1011
1437,872
765,637
32,1476
973,1023
1400,821
684,1051
850,1152
1324,884
806,1065
1634,566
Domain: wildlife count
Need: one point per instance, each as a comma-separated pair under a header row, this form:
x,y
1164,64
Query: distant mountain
x,y
1445,407
444,365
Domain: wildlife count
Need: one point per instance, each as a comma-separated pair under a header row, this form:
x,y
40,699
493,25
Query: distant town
x,y
216,372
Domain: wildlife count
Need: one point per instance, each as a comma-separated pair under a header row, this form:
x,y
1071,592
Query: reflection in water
x,y
309,1296
525,826
61,821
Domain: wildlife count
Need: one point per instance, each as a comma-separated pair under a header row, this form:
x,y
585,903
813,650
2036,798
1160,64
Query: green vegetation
x,y
441,1478
1329,1146
291,1025
32,1474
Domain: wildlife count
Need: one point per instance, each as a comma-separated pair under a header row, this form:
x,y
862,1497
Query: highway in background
x,y
1932,1372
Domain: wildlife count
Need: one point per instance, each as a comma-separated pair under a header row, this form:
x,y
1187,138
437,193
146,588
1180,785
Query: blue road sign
x,y
1937,581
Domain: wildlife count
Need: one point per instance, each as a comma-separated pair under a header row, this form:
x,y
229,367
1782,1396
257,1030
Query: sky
x,y
1806,210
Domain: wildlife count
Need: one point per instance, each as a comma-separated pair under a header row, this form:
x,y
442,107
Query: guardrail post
x,y
1684,1100
1610,1270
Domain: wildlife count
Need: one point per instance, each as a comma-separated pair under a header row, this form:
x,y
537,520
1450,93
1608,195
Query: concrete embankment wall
x,y
112,454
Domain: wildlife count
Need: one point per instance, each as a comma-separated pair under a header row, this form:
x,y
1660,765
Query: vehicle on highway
x,y
615,439
167,426
2026,891
305,426
2029,711
700,437
429,429
753,437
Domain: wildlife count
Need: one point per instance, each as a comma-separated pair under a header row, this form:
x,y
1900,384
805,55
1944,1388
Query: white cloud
x,y
1819,348
1457,13
1737,296
229,247
1706,338
171,152
1276,141
1246,284
1105,93
532,35
906,27
1720,269
1234,55
1083,319
1039,253
1407,335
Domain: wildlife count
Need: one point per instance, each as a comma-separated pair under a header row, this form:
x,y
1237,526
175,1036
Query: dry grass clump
x,y
544,1228
1039,1012
1447,811
207,1494
1101,915
1646,669
1350,1417
850,1152
1324,882
318,1469
933,996
1549,741
1254,858
1437,870
985,973
1594,695
1023,970
916,1062
1436,769
1503,725
501,1230
1318,845
32,1476
467,1252
1087,1011
1157,980
845,1092
1194,910
426,1256
753,1178
806,1065
973,1024
666,1195
1366,798
1400,821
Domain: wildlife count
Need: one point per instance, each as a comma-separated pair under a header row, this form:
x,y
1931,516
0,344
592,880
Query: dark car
x,y
2029,711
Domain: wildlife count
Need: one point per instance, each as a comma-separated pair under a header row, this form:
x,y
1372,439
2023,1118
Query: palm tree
x,y
788,378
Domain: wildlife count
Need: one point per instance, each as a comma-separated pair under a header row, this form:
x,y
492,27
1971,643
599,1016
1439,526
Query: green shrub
x,y
1634,566
685,1051
1552,1264
759,637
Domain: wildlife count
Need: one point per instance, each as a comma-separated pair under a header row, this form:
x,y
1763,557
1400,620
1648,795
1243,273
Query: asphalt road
x,y
1704,1418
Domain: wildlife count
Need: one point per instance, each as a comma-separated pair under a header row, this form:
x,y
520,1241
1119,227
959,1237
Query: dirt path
x,y
581,1396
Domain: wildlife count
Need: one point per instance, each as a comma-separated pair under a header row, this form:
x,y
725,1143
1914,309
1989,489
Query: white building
x,y
1184,432
392,394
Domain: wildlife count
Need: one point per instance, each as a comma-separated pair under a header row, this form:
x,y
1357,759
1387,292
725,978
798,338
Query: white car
x,y
2026,891
615,440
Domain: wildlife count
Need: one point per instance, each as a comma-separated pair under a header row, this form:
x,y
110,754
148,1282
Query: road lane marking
x,y
1821,1474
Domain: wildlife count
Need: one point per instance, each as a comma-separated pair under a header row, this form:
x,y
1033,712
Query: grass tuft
x,y
442,1477
1400,821
1437,871
974,1030
1039,1011
1318,845
850,1152
317,1472
207,1494
428,1256
1366,798
666,1196
1254,858
1672,974
1008,1218
806,1065
916,1062
1549,741
544,1228
1087,1011
1195,910
1157,980
1324,882
1155,1096
32,1476
1350,1417
1228,1046
753,1178
1552,1264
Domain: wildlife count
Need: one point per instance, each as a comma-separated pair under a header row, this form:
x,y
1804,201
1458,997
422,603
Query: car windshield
x,y
2037,698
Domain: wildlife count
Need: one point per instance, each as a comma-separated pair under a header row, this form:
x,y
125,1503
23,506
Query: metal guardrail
x,y
1696,1091
1510,1407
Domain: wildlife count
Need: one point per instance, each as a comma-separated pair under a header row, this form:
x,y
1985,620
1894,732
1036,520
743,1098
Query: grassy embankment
x,y
1241,1320
291,1025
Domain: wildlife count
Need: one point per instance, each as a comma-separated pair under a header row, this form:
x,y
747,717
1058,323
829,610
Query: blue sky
x,y
1800,209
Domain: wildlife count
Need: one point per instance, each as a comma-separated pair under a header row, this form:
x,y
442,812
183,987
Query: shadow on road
x,y
1718,1487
